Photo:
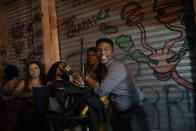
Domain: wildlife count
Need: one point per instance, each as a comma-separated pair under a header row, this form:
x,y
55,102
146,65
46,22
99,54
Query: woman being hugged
x,y
92,63
97,71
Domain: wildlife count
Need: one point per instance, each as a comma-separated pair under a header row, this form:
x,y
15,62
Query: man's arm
x,y
116,73
91,82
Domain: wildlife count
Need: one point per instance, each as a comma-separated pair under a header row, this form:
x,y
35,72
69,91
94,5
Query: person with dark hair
x,y
56,72
35,76
51,75
134,112
92,63
58,77
10,81
9,85
31,107
10,72
93,69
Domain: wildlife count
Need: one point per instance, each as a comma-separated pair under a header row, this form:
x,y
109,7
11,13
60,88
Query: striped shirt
x,y
119,85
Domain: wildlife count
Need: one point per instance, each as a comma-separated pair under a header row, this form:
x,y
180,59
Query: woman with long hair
x,y
34,77
58,77
92,62
58,71
30,106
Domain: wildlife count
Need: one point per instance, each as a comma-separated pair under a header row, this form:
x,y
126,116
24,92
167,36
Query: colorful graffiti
x,y
74,29
162,61
168,10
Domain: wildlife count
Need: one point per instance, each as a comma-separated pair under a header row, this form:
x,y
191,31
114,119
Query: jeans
x,y
137,118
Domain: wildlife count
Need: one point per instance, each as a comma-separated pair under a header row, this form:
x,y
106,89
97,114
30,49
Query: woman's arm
x,y
19,89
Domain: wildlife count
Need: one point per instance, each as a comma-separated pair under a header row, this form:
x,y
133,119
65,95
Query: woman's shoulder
x,y
21,81
21,84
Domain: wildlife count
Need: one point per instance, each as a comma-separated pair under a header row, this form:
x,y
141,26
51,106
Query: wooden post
x,y
50,34
194,3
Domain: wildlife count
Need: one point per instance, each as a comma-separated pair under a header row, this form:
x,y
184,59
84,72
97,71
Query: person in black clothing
x,y
9,85
62,89
10,81
57,79
96,71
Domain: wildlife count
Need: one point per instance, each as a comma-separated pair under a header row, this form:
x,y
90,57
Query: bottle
x,y
66,68
83,75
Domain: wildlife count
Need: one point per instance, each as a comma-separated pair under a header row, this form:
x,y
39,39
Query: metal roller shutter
x,y
160,59
24,39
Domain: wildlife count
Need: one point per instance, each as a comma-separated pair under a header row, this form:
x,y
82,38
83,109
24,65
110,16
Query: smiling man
x,y
134,111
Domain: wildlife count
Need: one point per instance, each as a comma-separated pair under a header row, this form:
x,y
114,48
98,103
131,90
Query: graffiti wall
x,y
3,37
24,33
149,37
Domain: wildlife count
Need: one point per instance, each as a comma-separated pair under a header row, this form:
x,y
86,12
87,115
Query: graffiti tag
x,y
73,29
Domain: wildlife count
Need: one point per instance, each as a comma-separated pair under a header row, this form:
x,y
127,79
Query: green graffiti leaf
x,y
138,56
125,42
107,29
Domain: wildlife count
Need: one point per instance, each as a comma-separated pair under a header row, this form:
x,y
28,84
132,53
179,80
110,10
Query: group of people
x,y
17,96
133,111
106,76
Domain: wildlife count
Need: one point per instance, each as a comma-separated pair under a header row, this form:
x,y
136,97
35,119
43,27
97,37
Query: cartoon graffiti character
x,y
162,61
